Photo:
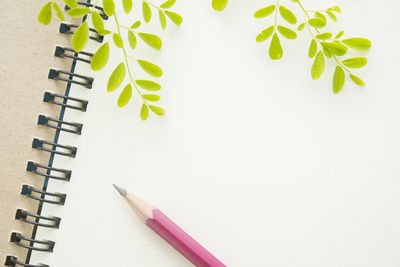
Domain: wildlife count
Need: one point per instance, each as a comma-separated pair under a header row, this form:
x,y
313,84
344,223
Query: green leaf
x,y
125,96
146,12
80,37
335,8
287,15
355,62
58,11
219,5
335,48
174,17
144,112
168,4
127,4
71,3
118,40
317,22
152,40
109,7
360,44
148,85
163,21
104,32
301,26
357,80
331,15
78,12
312,51
318,66
265,34
151,97
275,49
157,110
116,78
136,25
327,52
320,15
324,36
132,39
264,12
101,57
44,16
339,35
97,22
286,32
150,68
338,79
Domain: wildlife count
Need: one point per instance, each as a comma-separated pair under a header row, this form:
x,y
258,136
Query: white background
x,y
258,162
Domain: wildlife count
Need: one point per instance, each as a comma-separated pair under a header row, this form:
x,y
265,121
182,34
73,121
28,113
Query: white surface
x,y
260,164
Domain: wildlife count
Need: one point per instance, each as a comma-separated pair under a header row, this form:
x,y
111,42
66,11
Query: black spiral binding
x,y
48,171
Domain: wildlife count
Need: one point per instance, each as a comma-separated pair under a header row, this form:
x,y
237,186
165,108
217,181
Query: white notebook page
x,y
259,163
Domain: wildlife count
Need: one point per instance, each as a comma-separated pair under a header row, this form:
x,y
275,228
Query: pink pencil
x,y
170,232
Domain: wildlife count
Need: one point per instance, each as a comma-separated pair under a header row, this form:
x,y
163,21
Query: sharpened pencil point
x,y
120,190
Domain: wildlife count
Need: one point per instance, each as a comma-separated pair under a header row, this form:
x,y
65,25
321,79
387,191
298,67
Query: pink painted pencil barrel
x,y
170,232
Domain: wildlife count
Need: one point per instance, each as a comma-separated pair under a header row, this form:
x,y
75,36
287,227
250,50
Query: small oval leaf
x,y
97,22
157,110
265,34
286,32
58,11
301,26
324,36
109,7
318,66
118,40
327,52
44,16
132,39
80,37
336,9
101,57
317,22
148,85
331,15
320,15
136,25
78,12
360,44
125,96
150,68
339,34
357,80
151,40
127,4
168,4
116,78
338,79
151,97
264,12
287,15
146,12
144,112
163,21
275,49
174,17
312,51
219,5
336,48
355,62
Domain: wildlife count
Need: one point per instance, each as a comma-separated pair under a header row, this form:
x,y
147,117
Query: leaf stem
x,y
127,64
152,4
276,14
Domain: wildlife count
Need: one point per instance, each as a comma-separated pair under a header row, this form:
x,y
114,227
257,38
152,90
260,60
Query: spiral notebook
x,y
260,164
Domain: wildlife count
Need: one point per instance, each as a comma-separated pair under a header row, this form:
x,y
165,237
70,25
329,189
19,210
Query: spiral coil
x,y
48,171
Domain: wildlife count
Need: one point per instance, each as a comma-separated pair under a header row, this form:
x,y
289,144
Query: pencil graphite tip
x,y
120,190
